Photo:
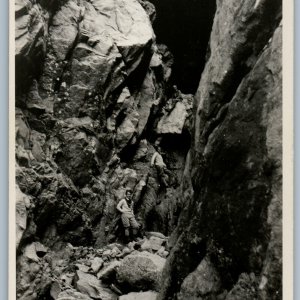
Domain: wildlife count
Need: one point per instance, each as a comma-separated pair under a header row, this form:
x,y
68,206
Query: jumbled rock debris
x,y
131,271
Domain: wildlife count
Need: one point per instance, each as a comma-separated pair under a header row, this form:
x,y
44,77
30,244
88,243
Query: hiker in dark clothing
x,y
125,207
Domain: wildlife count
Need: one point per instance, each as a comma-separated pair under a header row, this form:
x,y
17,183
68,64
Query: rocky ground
x,y
94,97
116,271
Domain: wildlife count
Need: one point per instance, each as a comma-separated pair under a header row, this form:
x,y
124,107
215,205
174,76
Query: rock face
x,y
94,99
81,117
141,271
173,121
21,214
91,83
233,171
203,282
31,27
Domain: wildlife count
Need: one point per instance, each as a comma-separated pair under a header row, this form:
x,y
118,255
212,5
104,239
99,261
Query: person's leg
x,y
135,234
134,225
126,224
126,230
126,235
164,178
168,172
161,176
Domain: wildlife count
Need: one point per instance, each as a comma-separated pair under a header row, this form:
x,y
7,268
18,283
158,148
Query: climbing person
x,y
161,167
176,93
125,207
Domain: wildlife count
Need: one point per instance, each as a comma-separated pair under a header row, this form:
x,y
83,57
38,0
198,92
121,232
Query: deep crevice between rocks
x,y
176,147
185,28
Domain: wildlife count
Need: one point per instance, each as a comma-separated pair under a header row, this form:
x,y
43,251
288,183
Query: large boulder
x,y
141,271
110,19
203,281
107,52
139,296
173,121
89,285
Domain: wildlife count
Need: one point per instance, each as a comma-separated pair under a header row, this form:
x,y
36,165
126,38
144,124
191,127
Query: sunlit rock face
x,y
91,89
100,85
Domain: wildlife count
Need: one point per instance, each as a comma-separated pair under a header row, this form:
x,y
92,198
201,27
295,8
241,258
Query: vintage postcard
x,y
151,152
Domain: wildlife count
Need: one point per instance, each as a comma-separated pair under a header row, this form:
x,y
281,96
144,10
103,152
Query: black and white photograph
x,y
147,150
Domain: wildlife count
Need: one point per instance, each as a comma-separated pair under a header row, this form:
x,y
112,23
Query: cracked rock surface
x,y
94,102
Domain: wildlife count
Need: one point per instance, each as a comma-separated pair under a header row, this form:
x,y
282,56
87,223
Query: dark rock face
x,y
203,283
234,216
95,96
31,28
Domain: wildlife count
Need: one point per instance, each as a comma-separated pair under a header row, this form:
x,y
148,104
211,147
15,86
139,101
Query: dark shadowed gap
x,y
185,26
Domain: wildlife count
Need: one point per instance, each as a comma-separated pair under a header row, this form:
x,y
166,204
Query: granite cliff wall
x,y
230,230
94,95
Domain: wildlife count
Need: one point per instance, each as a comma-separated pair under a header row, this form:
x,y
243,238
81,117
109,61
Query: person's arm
x,y
163,161
153,158
119,206
131,206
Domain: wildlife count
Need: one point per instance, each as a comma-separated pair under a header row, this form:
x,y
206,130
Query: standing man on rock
x,y
161,167
125,207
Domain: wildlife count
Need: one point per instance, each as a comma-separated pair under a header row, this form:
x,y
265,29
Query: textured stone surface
x,y
93,98
64,29
91,286
141,271
138,296
203,281
109,272
30,39
72,295
245,288
21,214
235,163
97,264
154,243
173,122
